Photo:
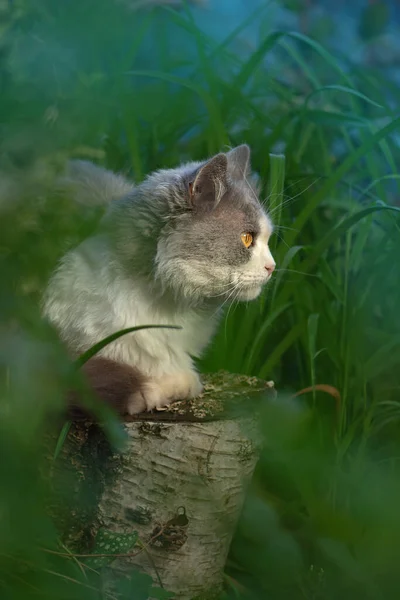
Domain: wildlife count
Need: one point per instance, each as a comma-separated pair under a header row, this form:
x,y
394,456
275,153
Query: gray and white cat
x,y
172,251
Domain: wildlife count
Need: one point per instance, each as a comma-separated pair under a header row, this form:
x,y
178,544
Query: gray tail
x,y
92,185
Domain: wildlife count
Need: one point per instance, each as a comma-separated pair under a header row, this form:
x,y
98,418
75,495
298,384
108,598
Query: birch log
x,y
179,486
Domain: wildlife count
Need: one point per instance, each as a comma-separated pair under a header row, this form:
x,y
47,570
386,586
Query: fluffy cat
x,y
171,251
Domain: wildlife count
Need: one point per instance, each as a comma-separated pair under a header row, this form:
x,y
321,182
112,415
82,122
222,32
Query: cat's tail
x,y
92,185
114,384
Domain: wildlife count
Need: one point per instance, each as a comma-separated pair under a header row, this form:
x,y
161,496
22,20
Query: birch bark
x,y
180,484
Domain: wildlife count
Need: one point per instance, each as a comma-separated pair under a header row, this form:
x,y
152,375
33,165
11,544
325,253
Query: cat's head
x,y
214,243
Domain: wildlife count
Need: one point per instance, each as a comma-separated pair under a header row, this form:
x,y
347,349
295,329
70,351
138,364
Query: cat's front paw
x,y
184,385
159,393
148,397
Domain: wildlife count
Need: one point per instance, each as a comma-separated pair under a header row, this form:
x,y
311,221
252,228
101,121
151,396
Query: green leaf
x,y
110,543
345,90
61,438
374,19
328,278
384,359
370,186
83,358
280,349
160,593
333,180
346,224
255,59
312,329
261,335
135,587
289,256
209,102
276,186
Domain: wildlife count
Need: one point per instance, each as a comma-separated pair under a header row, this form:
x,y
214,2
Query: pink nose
x,y
270,268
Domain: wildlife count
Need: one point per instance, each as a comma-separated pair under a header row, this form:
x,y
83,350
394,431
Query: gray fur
x,y
168,251
203,229
92,185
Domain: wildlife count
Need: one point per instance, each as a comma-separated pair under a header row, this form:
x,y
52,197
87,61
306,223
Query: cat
x,y
173,250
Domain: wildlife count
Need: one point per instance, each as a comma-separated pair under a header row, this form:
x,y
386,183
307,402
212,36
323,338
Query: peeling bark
x,y
179,485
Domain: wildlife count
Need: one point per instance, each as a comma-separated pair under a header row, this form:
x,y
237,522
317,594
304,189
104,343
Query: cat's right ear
x,y
208,184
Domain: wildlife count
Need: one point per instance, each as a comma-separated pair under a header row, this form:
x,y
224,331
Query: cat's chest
x,y
135,306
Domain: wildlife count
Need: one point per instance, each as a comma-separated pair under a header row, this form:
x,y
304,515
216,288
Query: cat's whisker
x,y
230,292
269,289
285,228
295,183
286,200
251,188
306,188
228,299
282,240
272,191
230,286
238,289
296,271
290,199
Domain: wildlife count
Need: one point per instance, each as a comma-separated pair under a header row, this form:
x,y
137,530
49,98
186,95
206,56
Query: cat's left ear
x,y
239,162
208,184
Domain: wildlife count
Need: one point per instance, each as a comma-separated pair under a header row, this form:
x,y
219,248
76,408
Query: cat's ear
x,y
239,162
208,184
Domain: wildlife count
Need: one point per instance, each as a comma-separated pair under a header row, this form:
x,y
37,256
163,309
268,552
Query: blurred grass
x,y
140,89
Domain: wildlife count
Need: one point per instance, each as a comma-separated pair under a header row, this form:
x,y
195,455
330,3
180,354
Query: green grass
x,y
321,520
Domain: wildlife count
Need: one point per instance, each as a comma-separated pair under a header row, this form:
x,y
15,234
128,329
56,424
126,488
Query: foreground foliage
x,y
94,80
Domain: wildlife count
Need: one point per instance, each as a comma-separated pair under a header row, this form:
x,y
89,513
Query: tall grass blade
x,y
85,356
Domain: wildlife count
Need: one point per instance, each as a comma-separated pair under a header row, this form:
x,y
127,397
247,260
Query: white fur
x,y
253,276
105,301
162,390
93,294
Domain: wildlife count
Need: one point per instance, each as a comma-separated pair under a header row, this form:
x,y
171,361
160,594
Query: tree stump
x,y
168,505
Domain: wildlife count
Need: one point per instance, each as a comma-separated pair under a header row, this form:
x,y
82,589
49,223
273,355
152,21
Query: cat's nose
x,y
270,268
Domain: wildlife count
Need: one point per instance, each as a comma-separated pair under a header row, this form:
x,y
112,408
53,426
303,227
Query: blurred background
x,y
313,87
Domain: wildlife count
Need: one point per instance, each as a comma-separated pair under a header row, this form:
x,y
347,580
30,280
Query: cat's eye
x,y
247,239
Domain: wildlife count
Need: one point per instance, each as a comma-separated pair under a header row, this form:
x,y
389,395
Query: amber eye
x,y
247,239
